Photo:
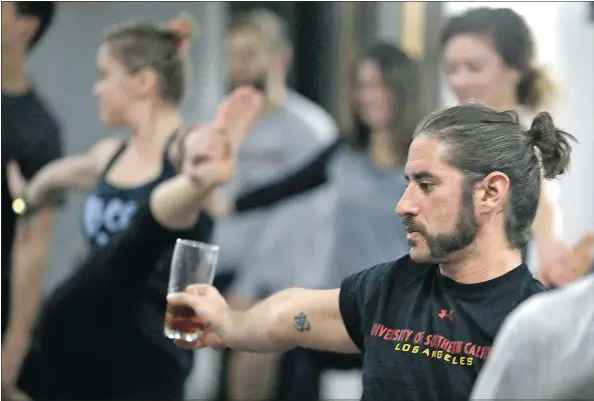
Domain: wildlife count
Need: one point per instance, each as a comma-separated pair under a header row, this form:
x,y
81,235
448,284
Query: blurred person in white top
x,y
488,57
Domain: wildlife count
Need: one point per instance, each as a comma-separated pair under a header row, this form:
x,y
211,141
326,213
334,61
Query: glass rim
x,y
197,244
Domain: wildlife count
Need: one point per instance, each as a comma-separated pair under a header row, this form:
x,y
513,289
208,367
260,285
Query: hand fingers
x,y
212,340
209,340
562,275
189,344
182,299
204,143
199,289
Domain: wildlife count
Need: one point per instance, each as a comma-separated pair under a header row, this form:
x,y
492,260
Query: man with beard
x,y
287,244
426,322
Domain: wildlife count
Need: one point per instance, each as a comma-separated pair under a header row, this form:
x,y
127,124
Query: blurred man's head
x,y
24,24
260,50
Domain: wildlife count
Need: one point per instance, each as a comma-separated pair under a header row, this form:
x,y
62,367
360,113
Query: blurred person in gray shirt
x,y
546,346
367,161
289,243
291,131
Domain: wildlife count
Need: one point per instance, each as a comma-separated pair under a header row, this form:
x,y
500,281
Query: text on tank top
x,y
109,209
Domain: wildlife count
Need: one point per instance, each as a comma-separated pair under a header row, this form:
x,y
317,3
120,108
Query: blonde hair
x,y
270,25
140,44
536,89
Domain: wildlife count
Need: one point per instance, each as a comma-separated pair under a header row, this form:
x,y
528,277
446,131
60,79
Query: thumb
x,y
16,181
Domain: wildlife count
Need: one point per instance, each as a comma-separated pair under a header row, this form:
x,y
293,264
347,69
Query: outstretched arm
x,y
70,172
295,317
309,177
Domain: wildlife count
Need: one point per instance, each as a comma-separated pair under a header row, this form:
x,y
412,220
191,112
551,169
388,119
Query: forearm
x,y
308,178
267,326
26,288
30,252
72,172
295,317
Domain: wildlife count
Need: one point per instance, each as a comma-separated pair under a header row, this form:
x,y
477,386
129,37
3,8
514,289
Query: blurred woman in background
x,y
366,171
140,87
488,56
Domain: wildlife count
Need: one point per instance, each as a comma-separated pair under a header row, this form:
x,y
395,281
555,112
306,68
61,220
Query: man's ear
x,y
492,193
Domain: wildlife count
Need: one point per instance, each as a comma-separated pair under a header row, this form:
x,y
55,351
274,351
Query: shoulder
x,y
312,116
546,317
105,149
548,309
39,129
531,287
401,272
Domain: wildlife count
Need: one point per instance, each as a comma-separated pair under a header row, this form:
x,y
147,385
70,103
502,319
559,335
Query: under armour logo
x,y
446,314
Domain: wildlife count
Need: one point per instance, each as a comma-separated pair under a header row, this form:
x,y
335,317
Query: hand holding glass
x,y
192,263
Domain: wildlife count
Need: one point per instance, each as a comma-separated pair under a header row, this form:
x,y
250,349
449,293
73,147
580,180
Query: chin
x,y
110,121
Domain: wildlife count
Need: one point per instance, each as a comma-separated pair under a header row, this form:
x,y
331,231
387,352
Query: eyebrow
x,y
421,175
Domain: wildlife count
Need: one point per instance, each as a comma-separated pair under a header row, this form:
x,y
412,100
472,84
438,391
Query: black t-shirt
x,y
30,136
423,335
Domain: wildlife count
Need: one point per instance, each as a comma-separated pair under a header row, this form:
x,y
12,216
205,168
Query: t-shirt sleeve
x,y
310,176
44,147
355,301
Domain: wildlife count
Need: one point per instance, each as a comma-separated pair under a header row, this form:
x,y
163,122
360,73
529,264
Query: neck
x,y
485,260
14,73
507,104
152,126
381,150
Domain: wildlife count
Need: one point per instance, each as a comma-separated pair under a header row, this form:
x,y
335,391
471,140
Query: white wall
x,y
575,50
565,46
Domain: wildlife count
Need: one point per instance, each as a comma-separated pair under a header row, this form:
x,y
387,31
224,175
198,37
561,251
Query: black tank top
x,y
107,211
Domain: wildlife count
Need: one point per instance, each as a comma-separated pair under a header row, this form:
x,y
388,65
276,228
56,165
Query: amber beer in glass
x,y
192,263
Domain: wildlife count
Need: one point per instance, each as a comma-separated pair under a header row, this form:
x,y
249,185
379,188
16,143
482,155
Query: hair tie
x,y
184,29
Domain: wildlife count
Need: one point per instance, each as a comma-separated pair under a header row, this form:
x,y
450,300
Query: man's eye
x,y
426,186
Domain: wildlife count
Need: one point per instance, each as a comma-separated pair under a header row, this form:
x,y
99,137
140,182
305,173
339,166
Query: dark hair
x,y
43,11
139,45
481,140
513,40
400,74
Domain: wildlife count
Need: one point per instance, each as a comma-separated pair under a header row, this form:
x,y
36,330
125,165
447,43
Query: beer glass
x,y
192,263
